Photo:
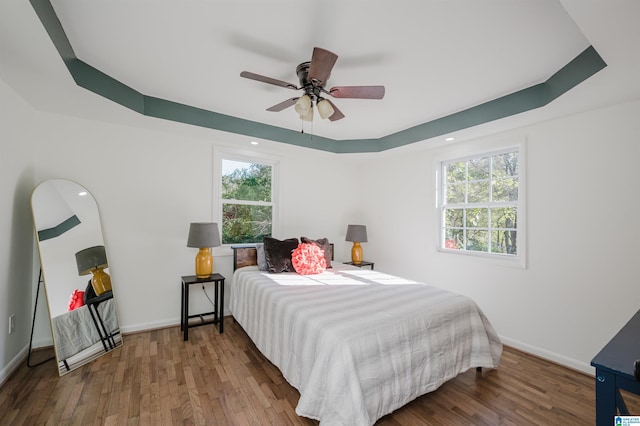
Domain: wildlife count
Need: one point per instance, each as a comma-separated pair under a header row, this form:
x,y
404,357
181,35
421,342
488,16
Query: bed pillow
x,y
278,254
323,243
262,260
76,300
308,259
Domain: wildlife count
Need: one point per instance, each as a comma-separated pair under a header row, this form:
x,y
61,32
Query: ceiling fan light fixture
x,y
312,76
325,109
303,105
307,116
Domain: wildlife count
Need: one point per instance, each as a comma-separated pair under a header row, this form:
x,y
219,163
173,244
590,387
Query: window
x,y
246,199
479,204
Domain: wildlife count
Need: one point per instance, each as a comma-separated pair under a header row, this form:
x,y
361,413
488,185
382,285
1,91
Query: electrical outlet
x,y
12,323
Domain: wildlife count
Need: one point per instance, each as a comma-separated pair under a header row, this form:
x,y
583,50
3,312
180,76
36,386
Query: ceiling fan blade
x,y
359,92
322,63
262,78
337,114
282,105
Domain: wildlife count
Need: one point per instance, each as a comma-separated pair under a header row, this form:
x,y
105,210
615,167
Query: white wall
x,y
150,185
578,288
580,285
16,231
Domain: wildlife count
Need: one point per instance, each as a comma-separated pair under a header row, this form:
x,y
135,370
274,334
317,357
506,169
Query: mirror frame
x,y
67,221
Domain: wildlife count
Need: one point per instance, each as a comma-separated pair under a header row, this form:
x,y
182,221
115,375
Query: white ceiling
x,y
434,57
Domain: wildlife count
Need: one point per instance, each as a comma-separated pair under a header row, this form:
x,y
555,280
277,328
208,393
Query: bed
x,y
358,344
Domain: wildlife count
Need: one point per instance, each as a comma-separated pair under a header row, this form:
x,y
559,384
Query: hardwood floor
x,y
222,379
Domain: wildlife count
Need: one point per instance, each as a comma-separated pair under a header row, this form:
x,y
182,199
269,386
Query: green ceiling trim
x,y
161,108
579,69
61,228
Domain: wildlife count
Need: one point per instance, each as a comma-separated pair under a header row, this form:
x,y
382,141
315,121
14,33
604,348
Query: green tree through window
x,y
479,203
247,201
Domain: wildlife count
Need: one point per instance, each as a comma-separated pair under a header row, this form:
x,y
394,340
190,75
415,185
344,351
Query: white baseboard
x,y
147,326
42,343
551,356
13,364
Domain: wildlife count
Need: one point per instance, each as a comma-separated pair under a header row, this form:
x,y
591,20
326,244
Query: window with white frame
x,y
479,199
247,198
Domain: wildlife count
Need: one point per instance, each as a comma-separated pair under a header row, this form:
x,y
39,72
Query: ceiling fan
x,y
313,77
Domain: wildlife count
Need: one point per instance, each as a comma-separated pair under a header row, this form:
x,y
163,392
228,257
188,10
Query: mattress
x,y
358,344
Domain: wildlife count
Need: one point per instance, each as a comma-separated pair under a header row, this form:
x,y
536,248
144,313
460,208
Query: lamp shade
x,y
91,258
356,233
303,105
325,109
308,116
203,234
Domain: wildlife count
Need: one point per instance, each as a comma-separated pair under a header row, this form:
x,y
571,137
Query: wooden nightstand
x,y
218,301
361,264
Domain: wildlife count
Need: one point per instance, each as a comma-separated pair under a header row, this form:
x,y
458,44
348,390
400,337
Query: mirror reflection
x,y
75,268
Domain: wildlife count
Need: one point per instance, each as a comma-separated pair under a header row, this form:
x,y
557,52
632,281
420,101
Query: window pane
x,y
454,218
246,181
479,168
505,165
505,217
503,242
505,190
478,192
245,224
478,218
477,240
454,239
456,172
455,193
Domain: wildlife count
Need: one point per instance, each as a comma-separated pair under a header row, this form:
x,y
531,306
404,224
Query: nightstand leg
x,y
222,306
182,307
185,315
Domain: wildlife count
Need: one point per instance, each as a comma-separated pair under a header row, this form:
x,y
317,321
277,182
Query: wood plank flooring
x,y
222,379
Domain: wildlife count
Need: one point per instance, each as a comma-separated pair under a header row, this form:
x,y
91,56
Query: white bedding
x,y
358,344
75,331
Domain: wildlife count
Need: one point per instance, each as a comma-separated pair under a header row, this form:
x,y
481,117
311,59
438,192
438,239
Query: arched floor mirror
x,y
75,267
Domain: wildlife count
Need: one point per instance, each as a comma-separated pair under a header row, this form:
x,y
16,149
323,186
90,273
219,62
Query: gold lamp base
x,y
101,281
204,262
356,253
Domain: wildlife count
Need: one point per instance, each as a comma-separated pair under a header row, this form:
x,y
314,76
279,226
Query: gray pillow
x,y
262,260
278,254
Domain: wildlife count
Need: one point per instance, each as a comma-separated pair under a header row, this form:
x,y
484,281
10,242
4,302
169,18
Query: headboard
x,y
244,255
247,255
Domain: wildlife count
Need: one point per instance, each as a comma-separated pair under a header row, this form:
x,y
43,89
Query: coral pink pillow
x,y
76,300
308,259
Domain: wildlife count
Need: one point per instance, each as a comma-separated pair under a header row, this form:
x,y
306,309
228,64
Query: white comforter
x,y
358,344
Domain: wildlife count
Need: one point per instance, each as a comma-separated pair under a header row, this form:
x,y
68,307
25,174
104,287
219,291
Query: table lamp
x,y
203,235
357,234
93,260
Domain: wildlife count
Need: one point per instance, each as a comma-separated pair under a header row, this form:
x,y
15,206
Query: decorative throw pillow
x,y
278,254
323,243
262,260
76,300
308,259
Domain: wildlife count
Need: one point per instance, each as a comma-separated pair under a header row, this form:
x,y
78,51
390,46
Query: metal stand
x,y
33,324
